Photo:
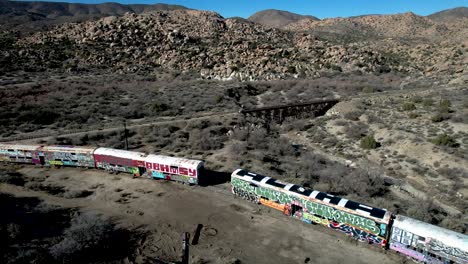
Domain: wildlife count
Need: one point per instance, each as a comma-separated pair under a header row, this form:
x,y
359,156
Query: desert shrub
x,y
424,210
87,231
258,139
368,142
460,118
281,147
439,117
238,149
408,106
14,178
417,99
204,140
366,183
428,102
445,140
353,115
444,105
368,89
356,130
455,224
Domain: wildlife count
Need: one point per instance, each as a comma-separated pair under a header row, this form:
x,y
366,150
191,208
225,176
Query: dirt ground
x,y
234,230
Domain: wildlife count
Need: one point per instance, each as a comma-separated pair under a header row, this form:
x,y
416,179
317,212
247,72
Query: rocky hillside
x,y
277,18
407,26
212,47
28,16
450,15
189,40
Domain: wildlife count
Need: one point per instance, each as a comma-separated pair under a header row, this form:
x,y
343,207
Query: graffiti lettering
x,y
358,234
246,195
440,248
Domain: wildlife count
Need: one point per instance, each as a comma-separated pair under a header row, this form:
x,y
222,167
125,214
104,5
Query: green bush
x,y
408,106
428,102
444,106
368,142
439,117
445,140
368,89
417,99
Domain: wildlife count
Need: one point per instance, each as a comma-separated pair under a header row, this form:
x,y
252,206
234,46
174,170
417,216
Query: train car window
x,y
321,196
241,173
351,205
11,150
378,213
258,178
335,200
74,160
72,153
29,157
274,183
58,160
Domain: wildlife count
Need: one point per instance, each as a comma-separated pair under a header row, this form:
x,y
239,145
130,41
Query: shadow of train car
x,y
428,243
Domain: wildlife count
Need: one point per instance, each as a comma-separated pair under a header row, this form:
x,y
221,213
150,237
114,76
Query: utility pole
x,y
185,248
125,134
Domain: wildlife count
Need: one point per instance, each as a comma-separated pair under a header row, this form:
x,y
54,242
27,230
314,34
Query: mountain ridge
x,y
277,18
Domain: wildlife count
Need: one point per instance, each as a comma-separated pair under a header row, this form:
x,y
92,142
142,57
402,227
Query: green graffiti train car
x,y
361,221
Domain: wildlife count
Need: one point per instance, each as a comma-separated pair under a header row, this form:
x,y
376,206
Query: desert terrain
x,y
178,78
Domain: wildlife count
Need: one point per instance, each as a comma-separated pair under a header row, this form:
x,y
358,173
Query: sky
x,y
318,8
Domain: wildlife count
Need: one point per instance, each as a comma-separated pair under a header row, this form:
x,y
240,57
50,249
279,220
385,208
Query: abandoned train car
x,y
172,168
361,221
428,243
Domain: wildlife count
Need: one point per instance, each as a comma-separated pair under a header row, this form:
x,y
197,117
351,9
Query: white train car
x,y
428,243
172,168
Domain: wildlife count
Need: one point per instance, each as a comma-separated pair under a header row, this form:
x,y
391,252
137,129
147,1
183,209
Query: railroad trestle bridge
x,y
279,113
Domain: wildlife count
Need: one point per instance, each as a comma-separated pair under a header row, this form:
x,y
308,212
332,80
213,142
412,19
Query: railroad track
x,y
130,126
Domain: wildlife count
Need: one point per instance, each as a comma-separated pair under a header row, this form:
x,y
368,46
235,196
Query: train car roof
x,y
448,237
119,153
325,198
19,146
174,161
72,149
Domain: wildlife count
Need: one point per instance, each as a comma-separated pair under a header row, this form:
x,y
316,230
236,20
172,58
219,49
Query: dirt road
x,y
233,229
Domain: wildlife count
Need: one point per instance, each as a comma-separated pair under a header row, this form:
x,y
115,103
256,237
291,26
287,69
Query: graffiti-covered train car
x,y
116,160
363,222
428,243
172,168
19,153
66,156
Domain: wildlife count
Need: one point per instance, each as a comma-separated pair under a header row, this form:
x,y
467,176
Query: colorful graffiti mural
x,y
69,159
252,191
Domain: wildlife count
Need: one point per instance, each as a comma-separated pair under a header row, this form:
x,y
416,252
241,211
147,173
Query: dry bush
x,y
356,130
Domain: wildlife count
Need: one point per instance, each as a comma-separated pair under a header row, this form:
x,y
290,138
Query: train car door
x,y
41,158
141,171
